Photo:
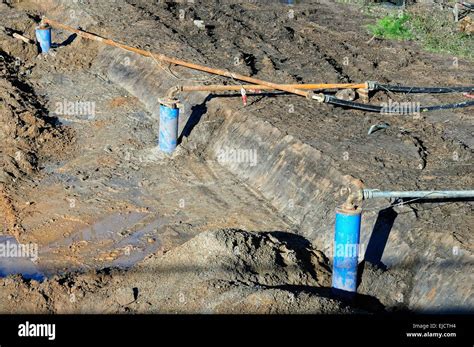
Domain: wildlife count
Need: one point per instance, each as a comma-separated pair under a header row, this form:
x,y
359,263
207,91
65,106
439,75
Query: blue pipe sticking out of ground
x,y
347,230
346,251
43,36
168,137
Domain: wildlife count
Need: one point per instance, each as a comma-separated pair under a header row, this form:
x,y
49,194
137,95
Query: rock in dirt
x,y
466,25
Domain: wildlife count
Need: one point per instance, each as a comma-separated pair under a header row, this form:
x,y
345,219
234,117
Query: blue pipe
x,y
168,138
43,36
346,250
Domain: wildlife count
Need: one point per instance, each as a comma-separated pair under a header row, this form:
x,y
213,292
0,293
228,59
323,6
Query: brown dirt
x,y
28,136
60,184
225,271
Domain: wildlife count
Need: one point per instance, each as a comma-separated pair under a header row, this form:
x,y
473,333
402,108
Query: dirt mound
x,y
267,259
26,131
225,271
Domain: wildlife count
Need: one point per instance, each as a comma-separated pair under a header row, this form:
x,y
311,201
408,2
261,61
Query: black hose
x,y
417,90
382,109
468,5
447,106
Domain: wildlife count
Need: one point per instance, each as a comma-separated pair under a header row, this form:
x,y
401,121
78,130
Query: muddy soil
x,y
216,272
27,133
148,233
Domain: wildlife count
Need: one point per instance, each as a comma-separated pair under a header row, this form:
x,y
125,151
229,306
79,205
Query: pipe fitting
x,y
371,85
169,102
318,97
355,195
368,193
172,93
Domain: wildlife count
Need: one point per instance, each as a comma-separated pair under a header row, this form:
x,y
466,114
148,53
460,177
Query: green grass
x,y
434,30
393,27
439,34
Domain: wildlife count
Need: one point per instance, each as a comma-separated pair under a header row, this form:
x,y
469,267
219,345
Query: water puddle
x,y
126,237
16,258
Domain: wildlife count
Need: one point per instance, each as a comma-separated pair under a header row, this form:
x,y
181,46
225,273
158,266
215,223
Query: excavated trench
x,y
284,185
117,202
304,186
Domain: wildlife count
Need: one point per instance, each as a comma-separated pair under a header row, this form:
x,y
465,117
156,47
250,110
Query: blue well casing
x,y
168,138
346,250
43,36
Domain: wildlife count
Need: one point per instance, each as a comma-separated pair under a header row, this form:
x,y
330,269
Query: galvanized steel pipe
x,y
421,194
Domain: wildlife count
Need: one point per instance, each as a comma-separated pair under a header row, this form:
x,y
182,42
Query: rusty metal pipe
x,y
173,91
162,57
216,88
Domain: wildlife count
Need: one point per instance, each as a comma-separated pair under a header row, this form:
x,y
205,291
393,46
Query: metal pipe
x,y
158,56
421,194
216,88
173,91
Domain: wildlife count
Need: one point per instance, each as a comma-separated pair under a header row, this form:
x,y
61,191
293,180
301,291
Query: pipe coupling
x,y
318,97
169,102
371,85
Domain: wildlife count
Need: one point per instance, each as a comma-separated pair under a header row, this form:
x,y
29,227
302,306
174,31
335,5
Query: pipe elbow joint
x,y
355,195
172,93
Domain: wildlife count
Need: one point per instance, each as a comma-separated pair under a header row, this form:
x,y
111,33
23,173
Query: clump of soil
x,y
27,134
392,288
22,23
224,271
